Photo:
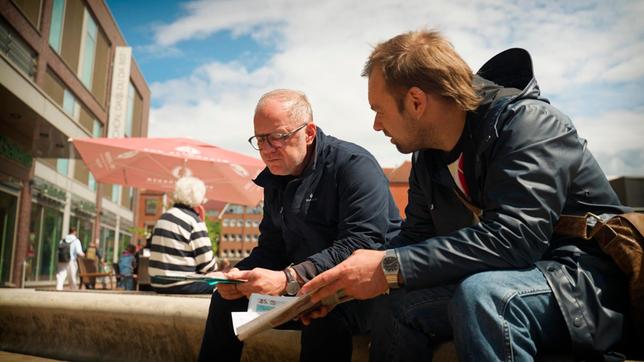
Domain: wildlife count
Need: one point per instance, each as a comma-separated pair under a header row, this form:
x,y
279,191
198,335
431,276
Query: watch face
x,y
292,288
390,264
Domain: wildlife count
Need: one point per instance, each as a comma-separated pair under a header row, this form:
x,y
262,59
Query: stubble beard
x,y
417,137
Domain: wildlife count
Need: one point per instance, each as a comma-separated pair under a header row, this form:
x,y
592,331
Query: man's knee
x,y
221,306
474,294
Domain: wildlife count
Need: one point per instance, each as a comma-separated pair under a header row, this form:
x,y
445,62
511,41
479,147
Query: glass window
x,y
69,104
34,239
84,229
91,182
124,240
62,166
150,207
107,244
52,225
89,50
97,129
31,10
56,28
8,207
116,193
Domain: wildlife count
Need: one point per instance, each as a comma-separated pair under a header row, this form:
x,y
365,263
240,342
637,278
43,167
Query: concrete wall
x,y
128,326
101,326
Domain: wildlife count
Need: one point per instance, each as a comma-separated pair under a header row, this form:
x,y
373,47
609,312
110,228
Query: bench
x,y
136,326
110,325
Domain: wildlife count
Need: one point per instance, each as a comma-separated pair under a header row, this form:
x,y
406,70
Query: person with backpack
x,y
93,253
69,249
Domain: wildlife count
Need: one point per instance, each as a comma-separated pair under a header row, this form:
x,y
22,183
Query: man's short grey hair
x,y
293,101
190,191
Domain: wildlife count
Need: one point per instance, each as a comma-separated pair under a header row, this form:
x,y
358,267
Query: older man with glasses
x,y
323,199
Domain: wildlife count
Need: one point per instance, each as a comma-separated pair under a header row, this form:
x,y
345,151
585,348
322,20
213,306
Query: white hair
x,y
294,102
190,191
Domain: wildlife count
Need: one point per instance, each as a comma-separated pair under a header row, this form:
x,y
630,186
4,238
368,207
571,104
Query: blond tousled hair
x,y
424,59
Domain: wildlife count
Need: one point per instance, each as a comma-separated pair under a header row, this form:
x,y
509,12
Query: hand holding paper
x,y
259,280
229,291
266,312
360,276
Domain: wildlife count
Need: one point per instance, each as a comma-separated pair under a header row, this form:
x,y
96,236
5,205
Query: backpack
x,y
64,251
90,254
622,238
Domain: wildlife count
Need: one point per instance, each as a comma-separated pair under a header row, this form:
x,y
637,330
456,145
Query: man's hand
x,y
259,280
227,291
360,275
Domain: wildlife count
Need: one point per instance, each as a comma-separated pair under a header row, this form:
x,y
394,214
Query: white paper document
x,y
266,312
257,304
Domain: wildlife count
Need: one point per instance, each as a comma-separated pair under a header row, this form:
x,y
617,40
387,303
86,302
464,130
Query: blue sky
x,y
207,62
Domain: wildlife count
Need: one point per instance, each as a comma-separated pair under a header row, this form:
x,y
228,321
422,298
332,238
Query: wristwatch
x,y
391,267
292,286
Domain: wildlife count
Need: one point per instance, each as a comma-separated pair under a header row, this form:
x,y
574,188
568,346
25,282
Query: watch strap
x,y
392,276
291,283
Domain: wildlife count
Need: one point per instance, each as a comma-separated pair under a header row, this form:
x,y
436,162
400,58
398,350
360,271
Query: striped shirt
x,y
180,246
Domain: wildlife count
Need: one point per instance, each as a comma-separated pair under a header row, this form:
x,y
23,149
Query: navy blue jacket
x,y
339,204
525,165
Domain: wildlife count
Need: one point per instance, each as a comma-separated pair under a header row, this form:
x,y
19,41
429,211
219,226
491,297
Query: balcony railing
x,y
17,50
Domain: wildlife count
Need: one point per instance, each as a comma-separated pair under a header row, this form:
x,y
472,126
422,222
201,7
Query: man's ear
x,y
310,130
415,102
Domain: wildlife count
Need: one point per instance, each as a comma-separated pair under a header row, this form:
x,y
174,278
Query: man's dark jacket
x,y
339,204
525,165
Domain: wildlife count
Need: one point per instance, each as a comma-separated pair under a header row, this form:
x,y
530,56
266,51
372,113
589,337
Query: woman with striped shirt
x,y
180,243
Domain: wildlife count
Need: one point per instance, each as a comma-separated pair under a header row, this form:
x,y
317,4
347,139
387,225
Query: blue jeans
x,y
508,315
127,282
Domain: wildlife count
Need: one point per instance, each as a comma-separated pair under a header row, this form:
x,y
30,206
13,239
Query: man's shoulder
x,y
340,149
534,117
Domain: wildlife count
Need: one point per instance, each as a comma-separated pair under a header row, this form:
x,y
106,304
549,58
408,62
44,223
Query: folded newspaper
x,y
266,311
202,278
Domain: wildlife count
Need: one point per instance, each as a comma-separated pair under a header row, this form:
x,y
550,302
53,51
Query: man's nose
x,y
377,126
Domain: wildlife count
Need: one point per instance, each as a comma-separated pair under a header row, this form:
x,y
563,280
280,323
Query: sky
x,y
208,62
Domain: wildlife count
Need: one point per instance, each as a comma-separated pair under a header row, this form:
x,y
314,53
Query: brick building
x,y
239,231
57,61
399,184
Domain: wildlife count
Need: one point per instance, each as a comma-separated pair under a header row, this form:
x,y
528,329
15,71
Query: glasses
x,y
275,140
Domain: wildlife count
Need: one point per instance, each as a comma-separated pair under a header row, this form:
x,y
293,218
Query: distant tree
x,y
214,233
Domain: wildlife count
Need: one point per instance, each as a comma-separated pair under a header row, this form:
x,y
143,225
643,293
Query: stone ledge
x,y
127,326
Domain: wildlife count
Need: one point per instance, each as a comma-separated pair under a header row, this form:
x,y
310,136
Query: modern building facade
x,y
152,204
239,231
57,61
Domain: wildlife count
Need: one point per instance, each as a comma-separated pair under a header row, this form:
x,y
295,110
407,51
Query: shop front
x,y
8,216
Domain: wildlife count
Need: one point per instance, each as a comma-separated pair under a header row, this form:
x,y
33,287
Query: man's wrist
x,y
292,284
391,268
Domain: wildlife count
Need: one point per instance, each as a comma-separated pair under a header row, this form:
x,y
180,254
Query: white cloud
x,y
321,47
615,138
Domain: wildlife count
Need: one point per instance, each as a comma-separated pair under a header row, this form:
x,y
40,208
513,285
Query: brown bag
x,y
622,238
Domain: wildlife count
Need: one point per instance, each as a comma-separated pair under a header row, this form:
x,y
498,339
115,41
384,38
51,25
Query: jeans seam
x,y
506,329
